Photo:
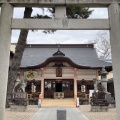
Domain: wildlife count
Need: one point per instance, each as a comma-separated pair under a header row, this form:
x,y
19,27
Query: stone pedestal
x,y
112,105
20,108
18,102
61,114
99,108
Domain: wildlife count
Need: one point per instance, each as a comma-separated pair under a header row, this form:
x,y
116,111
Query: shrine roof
x,y
79,55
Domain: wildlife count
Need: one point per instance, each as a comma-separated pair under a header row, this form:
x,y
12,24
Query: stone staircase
x,y
58,102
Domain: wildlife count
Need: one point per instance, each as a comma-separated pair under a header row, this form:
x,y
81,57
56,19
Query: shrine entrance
x,y
7,23
54,87
59,86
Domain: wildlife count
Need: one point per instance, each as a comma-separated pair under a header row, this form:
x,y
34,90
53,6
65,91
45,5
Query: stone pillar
x,y
61,114
60,12
5,39
114,15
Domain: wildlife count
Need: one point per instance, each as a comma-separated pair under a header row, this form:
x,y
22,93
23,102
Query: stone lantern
x,y
95,84
104,80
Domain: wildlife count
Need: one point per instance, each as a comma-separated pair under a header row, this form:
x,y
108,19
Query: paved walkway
x,y
51,114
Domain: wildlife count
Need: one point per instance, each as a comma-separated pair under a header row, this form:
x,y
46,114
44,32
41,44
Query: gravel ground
x,y
85,109
110,115
11,115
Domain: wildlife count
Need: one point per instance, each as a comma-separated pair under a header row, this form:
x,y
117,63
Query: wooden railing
x,y
33,95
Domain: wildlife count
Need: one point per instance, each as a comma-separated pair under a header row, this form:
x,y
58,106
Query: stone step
x,y
58,103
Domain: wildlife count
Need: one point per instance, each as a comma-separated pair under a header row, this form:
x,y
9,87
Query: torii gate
x,y
60,22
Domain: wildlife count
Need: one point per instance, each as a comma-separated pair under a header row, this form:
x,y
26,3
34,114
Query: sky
x,y
60,36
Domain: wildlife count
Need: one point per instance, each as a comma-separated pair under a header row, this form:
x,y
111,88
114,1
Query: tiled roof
x,y
82,55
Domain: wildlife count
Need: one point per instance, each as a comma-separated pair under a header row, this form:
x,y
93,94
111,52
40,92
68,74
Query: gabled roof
x,y
78,55
59,53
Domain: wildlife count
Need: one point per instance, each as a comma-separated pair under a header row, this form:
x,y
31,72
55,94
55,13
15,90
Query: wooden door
x,y
68,88
49,88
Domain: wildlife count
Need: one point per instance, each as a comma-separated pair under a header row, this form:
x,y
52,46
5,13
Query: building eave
x,y
61,59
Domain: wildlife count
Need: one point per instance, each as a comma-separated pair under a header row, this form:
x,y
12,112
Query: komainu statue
x,y
20,85
99,96
19,96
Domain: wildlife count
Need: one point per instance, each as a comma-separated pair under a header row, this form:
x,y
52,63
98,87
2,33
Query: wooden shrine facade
x,y
67,71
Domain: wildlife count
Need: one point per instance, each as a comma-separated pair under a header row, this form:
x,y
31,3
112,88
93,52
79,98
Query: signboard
x,y
58,72
30,75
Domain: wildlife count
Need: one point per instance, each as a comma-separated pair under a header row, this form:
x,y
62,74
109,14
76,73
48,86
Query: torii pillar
x,y
5,42
114,15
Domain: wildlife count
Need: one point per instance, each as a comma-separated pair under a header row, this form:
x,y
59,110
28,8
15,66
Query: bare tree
x,y
102,44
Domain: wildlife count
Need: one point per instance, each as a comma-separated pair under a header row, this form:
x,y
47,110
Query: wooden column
x,y
42,87
75,83
5,39
42,82
75,88
114,14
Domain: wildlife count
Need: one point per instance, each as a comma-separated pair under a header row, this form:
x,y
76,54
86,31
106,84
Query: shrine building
x,y
65,71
